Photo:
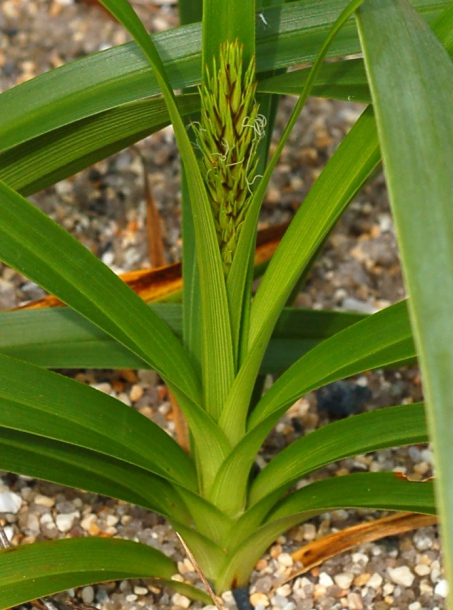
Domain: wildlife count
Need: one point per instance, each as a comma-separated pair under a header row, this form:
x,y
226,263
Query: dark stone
x,y
342,398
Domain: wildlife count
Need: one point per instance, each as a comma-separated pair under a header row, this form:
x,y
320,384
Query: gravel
x,y
358,270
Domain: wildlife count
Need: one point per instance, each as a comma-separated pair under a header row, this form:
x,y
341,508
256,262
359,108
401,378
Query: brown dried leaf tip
x,y
227,136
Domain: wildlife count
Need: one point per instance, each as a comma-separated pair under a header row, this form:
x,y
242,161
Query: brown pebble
x,y
136,392
259,599
94,529
261,565
128,375
275,551
118,386
361,579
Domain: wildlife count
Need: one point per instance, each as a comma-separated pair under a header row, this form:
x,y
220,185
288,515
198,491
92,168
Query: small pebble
x,y
355,601
401,576
360,558
344,580
9,502
285,559
87,595
178,600
66,521
88,521
441,588
415,606
140,590
136,392
375,581
422,569
44,501
284,590
325,579
309,531
259,599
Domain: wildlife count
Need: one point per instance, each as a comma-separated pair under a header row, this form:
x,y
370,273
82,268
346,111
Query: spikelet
x,y
228,135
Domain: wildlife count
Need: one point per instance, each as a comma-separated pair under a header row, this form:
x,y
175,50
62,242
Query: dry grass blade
x,y
208,587
156,248
315,553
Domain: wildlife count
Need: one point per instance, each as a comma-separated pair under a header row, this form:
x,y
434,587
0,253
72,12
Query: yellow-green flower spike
x,y
228,135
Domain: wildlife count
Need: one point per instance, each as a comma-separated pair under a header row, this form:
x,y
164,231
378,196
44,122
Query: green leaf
x,y
43,160
412,98
391,427
63,266
227,22
343,80
386,491
60,338
382,339
44,252
378,490
66,464
41,402
217,349
344,174
104,81
44,568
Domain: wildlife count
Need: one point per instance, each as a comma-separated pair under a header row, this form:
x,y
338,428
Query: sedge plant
x,y
213,349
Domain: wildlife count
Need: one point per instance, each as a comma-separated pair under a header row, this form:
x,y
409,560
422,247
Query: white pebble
x,y
441,588
285,559
375,581
355,601
9,532
422,569
88,521
87,595
284,590
9,502
401,576
44,500
66,521
140,590
344,580
360,558
181,600
279,601
325,579
414,606
48,521
289,606
309,531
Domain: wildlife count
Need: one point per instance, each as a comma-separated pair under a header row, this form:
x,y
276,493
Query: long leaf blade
x,y
41,402
66,464
60,338
385,491
339,181
412,97
217,349
44,568
392,427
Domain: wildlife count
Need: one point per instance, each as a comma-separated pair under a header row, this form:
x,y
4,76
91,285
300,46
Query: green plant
x,y
54,428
